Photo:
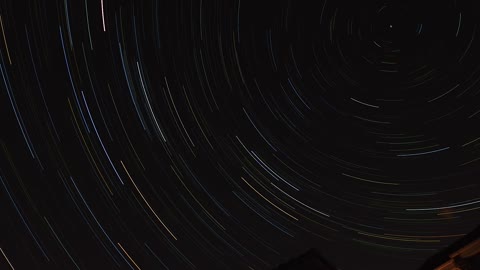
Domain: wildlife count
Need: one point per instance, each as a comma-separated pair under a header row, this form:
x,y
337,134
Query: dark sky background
x,y
236,134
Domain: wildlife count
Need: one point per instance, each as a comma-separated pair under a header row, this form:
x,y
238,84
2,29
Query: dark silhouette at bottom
x,y
310,260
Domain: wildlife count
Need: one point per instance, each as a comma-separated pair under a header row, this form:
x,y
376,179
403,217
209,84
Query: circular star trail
x,y
234,134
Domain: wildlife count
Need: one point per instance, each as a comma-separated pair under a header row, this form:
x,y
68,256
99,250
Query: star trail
x,y
189,134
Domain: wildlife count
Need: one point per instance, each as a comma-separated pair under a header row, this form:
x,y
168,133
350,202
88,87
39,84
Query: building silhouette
x,y
463,254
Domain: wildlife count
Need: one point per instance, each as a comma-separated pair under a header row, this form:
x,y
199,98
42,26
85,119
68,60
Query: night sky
x,y
174,134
